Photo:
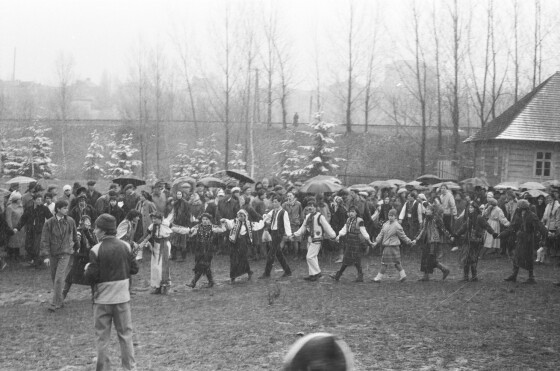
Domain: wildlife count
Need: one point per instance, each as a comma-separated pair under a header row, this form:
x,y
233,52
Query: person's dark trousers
x,y
275,252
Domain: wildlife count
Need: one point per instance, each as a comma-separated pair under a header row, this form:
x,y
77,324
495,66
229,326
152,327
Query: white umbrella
x,y
532,185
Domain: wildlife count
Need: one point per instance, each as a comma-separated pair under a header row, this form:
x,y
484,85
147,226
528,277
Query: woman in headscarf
x,y
86,240
240,237
146,207
541,206
528,230
205,238
157,235
179,216
472,232
495,216
14,211
431,237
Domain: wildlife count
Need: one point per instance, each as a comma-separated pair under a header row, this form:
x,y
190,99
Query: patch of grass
x,y
412,325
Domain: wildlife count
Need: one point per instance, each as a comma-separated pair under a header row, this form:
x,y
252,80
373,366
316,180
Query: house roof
x,y
535,117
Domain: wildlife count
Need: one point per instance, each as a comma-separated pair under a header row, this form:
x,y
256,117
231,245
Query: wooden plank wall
x,y
506,161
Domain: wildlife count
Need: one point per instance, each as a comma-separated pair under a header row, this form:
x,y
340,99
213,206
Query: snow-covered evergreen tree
x,y
320,154
122,161
290,161
30,154
237,161
92,166
198,162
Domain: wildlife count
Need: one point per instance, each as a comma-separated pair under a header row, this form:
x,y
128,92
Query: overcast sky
x,y
101,34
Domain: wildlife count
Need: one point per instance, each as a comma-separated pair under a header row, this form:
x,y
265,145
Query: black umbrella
x,y
237,174
210,181
429,179
131,179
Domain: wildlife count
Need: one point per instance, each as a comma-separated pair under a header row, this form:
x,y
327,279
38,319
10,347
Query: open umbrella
x,y
325,177
415,185
240,175
535,193
397,182
381,184
131,179
514,186
362,188
450,185
183,179
21,180
532,185
551,183
211,182
476,182
429,179
320,186
402,190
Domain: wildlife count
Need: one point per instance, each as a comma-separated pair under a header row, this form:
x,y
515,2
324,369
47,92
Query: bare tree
x,y
454,97
537,45
420,70
64,68
438,79
269,61
516,50
283,57
371,46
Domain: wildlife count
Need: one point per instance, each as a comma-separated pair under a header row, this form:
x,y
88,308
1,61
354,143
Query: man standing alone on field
x,y
111,265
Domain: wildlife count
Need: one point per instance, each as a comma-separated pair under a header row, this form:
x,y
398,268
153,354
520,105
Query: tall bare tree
x,y
438,78
269,60
537,45
283,49
372,50
64,68
456,58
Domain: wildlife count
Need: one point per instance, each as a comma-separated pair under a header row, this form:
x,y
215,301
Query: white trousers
x,y
312,261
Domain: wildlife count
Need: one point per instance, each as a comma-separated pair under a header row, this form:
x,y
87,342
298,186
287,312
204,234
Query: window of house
x,y
543,164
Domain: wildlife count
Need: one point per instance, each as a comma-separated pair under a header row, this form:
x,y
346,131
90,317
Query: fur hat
x,y
106,222
523,204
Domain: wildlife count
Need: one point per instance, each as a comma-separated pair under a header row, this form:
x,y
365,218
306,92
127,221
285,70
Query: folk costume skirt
x,y
238,261
391,255
353,250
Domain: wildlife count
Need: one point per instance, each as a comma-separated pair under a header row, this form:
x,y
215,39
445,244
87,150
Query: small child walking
x,y
354,230
390,237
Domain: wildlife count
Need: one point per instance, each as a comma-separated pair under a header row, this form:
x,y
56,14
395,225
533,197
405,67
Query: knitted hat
x,y
523,204
106,222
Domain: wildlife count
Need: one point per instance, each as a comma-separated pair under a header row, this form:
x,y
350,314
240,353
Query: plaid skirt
x,y
391,255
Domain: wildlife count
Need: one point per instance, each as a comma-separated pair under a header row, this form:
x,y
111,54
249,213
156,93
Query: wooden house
x,y
523,143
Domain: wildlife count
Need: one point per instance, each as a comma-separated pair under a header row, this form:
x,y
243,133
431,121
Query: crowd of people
x,y
96,239
251,222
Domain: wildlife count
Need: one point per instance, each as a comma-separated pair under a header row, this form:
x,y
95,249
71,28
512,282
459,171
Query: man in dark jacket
x,y
57,245
111,265
91,193
34,218
82,208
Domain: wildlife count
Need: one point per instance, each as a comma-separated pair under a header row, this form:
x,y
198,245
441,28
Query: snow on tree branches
x,y
92,166
29,153
290,160
320,154
197,162
122,162
237,161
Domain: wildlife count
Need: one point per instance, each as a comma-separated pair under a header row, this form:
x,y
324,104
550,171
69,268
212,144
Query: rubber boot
x,y
338,274
65,290
466,269
474,274
195,280
444,270
210,278
360,277
513,276
531,279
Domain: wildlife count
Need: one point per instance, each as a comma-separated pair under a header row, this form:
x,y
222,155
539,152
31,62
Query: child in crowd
x,y
355,231
390,238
